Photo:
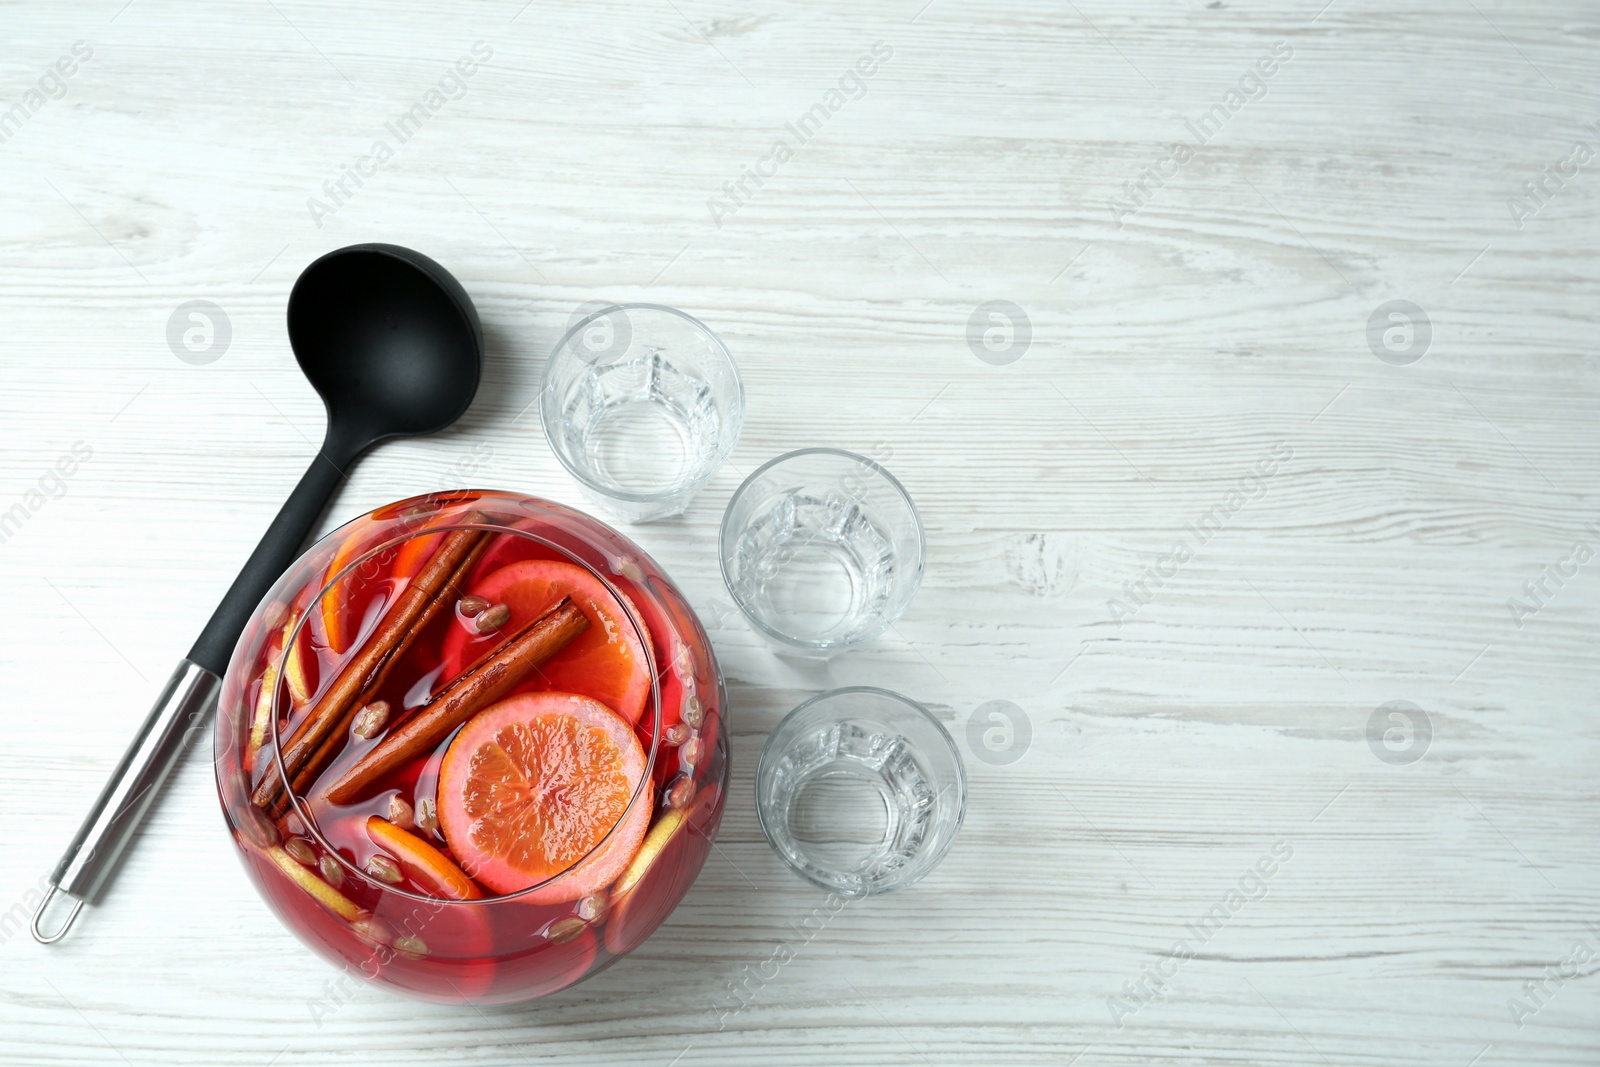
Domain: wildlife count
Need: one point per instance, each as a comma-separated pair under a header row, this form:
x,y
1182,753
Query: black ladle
x,y
393,344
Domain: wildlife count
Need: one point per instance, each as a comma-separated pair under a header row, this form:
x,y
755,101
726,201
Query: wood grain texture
x,y
1170,750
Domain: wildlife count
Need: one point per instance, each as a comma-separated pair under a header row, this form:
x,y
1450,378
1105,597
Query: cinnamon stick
x,y
364,673
303,778
305,760
485,683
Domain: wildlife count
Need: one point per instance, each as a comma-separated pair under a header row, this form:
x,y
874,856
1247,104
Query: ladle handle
x,y
187,700
279,547
183,707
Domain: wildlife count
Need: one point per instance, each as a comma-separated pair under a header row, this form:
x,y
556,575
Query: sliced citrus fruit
x,y
425,865
532,785
261,721
344,605
507,548
306,879
661,871
607,661
295,664
414,553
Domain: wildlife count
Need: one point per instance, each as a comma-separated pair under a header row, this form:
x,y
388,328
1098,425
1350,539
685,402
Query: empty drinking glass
x,y
641,403
822,550
861,791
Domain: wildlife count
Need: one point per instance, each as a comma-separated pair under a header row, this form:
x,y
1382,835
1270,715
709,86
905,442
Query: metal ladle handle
x,y
190,694
185,705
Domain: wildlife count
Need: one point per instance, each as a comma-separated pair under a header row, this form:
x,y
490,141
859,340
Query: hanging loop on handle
x,y
38,916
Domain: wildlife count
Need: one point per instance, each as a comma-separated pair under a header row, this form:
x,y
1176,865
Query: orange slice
x,y
425,865
413,554
344,604
530,788
606,662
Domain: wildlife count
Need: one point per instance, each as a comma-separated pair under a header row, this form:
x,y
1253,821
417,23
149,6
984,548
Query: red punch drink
x,y
471,746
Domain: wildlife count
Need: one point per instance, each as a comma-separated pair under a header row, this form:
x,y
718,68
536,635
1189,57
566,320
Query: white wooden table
x,y
1195,351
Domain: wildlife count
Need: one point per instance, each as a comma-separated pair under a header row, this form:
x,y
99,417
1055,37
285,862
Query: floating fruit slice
x,y
344,604
508,548
530,787
294,665
290,669
421,863
425,865
607,662
261,721
337,622
307,879
661,870
414,554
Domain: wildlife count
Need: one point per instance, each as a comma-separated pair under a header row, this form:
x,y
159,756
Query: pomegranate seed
x,y
493,618
373,930
680,792
411,945
400,813
428,814
564,929
683,663
383,869
262,831
371,719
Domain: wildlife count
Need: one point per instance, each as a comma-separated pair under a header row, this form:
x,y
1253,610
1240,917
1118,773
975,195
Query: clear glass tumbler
x,y
822,550
641,403
861,791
